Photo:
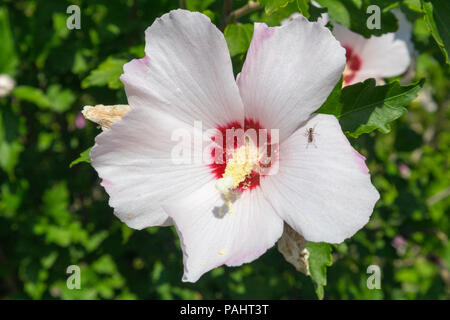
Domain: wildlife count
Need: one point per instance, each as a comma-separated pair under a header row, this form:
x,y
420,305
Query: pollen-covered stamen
x,y
244,161
240,157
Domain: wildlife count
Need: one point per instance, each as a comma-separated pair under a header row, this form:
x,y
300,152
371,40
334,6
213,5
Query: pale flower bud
x,y
6,85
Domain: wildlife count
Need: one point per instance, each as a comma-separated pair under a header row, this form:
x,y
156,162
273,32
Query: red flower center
x,y
232,137
353,65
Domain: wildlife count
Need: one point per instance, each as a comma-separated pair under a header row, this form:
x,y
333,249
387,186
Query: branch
x,y
227,7
438,197
250,7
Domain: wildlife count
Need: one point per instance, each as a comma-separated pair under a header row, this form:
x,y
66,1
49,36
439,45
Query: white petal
x,y
322,188
385,57
210,240
134,159
288,73
188,67
404,31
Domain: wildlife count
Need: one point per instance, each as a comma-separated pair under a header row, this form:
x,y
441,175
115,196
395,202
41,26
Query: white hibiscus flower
x,y
323,191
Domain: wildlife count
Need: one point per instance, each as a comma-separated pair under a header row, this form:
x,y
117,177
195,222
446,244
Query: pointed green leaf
x,y
107,73
303,7
333,104
84,157
198,5
437,17
33,95
364,107
319,259
56,98
238,38
8,56
337,11
270,6
60,99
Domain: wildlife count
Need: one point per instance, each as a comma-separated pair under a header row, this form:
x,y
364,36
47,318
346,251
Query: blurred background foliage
x,y
53,216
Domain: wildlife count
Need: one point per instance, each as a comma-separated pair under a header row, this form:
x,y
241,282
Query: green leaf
x,y
316,12
107,73
60,99
105,264
198,5
55,202
9,155
319,259
337,11
364,107
437,17
10,200
84,157
56,99
413,5
238,38
95,240
48,261
333,104
10,146
303,7
8,57
33,95
270,6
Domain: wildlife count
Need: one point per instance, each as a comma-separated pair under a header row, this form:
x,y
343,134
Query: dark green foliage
x,y
364,107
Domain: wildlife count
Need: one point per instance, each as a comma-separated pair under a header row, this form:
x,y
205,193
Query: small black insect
x,y
310,134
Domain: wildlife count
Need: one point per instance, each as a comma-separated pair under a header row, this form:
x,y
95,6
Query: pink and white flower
x,y
380,57
323,191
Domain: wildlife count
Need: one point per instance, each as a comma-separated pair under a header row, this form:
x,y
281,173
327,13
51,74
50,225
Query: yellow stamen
x,y
245,159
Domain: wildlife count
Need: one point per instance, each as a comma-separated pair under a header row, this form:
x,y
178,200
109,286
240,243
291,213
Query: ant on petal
x,y
310,134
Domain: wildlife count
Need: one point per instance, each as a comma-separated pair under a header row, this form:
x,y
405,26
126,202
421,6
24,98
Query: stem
x,y
438,197
183,4
227,7
232,16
